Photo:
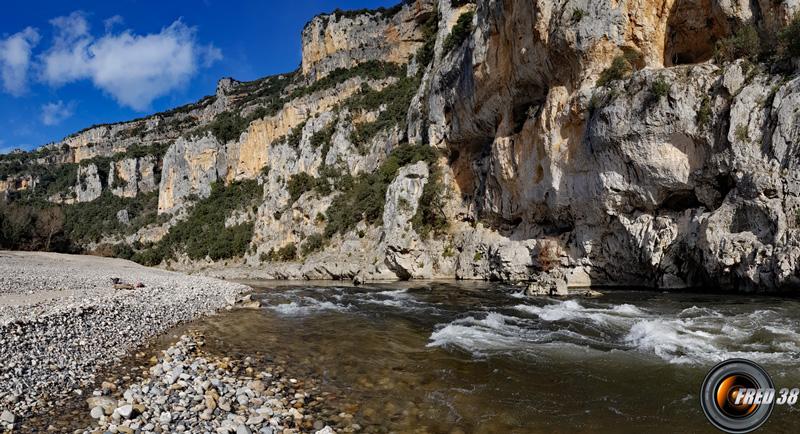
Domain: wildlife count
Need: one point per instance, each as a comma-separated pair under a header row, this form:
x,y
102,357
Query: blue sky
x,y
67,65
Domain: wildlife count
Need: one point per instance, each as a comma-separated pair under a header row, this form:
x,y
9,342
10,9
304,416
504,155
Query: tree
x,y
49,223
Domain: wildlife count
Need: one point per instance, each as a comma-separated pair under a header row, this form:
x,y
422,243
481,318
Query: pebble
x,y
265,403
90,325
97,412
125,411
8,417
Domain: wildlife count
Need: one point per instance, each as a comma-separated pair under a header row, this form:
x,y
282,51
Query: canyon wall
x,y
605,143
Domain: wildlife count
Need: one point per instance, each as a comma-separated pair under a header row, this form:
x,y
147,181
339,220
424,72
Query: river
x,y
482,358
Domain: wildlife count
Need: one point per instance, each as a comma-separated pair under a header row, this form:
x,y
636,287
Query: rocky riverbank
x,y
188,390
65,317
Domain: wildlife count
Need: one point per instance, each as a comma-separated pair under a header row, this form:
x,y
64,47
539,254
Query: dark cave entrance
x,y
692,32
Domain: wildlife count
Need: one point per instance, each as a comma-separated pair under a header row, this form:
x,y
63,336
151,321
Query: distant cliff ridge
x,y
646,143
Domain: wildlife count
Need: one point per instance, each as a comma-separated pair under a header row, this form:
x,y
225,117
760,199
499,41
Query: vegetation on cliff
x,y
459,33
204,233
363,197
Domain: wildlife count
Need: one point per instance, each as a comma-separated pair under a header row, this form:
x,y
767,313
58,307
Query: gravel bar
x,y
62,317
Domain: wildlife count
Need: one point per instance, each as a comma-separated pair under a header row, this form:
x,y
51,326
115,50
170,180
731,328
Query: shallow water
x,y
447,357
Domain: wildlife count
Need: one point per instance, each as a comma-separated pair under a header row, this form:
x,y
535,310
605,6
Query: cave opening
x,y
692,32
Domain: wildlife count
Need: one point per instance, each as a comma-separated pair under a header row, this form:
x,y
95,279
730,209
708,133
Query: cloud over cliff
x,y
134,69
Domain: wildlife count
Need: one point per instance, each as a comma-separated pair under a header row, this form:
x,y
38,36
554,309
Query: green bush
x,y
299,184
430,28
314,243
704,113
227,126
460,32
286,253
789,38
396,96
122,251
620,68
372,69
323,138
296,135
578,14
745,43
363,197
660,88
90,221
430,218
203,233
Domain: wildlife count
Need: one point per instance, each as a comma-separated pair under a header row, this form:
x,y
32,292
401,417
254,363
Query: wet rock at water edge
x,y
553,284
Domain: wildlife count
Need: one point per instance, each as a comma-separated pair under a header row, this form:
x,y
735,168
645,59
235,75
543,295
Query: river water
x,y
482,358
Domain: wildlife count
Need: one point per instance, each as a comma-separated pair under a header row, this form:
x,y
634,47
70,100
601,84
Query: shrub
x,y
424,56
227,126
372,69
123,251
296,135
299,184
704,113
478,256
578,14
460,32
742,134
430,218
619,69
363,197
397,98
745,43
286,253
203,233
789,38
314,243
660,88
322,138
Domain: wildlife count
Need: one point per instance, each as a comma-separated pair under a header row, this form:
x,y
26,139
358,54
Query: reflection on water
x,y
446,357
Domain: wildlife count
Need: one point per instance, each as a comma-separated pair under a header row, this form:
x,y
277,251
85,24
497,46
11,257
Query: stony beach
x,y
190,391
65,317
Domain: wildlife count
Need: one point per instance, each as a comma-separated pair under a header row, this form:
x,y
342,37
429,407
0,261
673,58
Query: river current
x,y
483,358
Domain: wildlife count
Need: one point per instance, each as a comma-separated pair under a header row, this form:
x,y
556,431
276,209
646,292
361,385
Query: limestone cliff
x,y
644,143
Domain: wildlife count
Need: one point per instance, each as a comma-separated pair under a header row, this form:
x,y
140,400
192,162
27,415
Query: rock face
x,y
89,186
689,188
131,176
190,167
402,244
679,171
343,40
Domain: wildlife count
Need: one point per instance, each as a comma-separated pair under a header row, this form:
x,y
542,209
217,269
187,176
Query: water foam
x,y
695,335
306,306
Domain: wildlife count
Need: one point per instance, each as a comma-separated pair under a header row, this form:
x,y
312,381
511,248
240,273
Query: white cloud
x,y
111,22
133,69
15,60
53,113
